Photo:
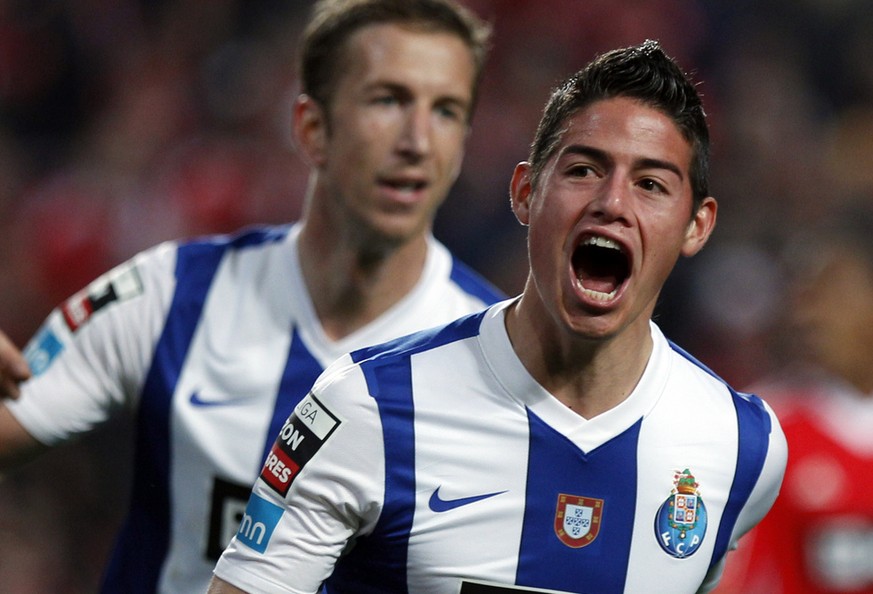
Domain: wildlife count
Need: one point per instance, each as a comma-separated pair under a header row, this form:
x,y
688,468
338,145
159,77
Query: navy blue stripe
x,y
378,566
608,473
753,442
753,436
142,545
378,563
474,284
460,329
301,371
143,542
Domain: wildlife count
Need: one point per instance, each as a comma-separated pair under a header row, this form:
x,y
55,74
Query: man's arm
x,y
16,444
219,586
13,368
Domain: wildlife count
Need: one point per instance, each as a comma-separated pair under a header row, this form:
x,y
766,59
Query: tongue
x,y
601,284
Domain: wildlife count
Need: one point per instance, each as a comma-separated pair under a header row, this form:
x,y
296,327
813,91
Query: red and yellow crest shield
x,y
577,519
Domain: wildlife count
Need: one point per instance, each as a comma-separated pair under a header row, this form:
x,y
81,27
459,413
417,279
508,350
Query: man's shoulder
x,y
687,370
474,284
694,379
246,238
422,340
197,259
446,267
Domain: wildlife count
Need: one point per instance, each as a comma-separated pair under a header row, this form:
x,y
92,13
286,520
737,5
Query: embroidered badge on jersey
x,y
680,523
118,285
301,437
577,519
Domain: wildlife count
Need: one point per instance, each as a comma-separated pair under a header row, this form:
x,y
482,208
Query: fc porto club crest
x,y
577,519
680,524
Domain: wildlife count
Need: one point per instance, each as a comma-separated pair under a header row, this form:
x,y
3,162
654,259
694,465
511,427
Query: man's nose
x,y
613,197
415,137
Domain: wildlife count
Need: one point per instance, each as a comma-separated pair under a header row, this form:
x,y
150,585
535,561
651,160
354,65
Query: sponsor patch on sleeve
x,y
302,435
258,523
42,350
120,284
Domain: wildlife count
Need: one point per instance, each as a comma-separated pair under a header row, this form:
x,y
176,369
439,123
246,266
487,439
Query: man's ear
x,y
520,190
310,129
700,227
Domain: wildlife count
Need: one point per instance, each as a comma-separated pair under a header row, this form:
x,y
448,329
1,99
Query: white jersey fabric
x,y
211,344
436,464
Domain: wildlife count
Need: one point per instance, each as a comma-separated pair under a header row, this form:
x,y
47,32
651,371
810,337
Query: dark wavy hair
x,y
321,52
644,73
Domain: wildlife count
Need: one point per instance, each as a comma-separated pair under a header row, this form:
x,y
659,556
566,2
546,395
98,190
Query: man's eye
x,y
581,171
651,185
449,112
385,100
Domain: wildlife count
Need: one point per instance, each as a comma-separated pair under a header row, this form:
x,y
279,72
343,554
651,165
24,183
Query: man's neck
x,y
588,376
349,285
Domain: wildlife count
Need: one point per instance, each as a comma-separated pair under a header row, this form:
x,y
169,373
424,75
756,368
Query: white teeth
x,y
603,242
599,295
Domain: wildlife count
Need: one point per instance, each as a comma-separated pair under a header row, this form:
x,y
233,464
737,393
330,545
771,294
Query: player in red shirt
x,y
818,537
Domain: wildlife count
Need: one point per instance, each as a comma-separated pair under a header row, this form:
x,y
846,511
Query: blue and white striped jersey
x,y
436,464
210,344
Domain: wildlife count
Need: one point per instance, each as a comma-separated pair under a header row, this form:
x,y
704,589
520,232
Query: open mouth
x,y
403,193
405,186
601,267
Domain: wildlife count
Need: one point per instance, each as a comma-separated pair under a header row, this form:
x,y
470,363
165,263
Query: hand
x,y
13,368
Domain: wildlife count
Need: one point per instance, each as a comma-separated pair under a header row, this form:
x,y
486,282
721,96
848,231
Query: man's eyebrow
x,y
602,156
586,151
394,88
401,89
650,163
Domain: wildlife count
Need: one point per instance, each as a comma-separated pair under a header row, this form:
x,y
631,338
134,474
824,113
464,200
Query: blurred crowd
x,y
124,123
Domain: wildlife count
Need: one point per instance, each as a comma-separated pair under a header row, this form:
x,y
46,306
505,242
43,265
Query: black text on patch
x,y
302,435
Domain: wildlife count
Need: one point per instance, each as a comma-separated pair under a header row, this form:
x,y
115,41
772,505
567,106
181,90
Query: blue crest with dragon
x,y
680,523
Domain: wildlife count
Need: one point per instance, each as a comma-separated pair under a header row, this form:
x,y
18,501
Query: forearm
x,y
13,368
16,444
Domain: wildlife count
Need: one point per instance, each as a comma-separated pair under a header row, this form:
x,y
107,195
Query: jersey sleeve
x,y
770,481
762,497
321,487
91,354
